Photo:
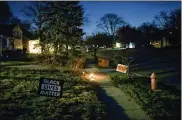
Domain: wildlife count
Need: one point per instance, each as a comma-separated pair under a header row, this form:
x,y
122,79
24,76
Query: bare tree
x,y
162,20
170,22
110,23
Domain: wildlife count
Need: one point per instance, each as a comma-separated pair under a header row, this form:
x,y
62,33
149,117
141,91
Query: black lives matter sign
x,y
50,87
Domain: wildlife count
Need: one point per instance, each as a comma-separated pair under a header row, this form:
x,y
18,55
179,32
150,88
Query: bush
x,y
13,55
76,64
119,79
50,59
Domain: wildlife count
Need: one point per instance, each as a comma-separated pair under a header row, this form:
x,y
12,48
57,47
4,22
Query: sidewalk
x,y
120,106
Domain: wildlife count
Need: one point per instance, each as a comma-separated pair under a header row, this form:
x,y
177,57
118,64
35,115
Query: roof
x,y
6,29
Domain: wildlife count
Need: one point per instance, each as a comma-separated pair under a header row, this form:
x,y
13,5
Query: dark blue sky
x,y
134,12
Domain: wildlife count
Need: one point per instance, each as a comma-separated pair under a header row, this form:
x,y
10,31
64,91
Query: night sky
x,y
135,13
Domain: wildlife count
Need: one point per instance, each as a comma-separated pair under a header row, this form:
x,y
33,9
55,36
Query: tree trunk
x,y
67,54
40,37
128,70
95,54
113,40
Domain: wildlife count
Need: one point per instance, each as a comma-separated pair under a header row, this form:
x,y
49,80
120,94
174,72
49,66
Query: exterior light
x,y
83,73
32,46
91,76
118,45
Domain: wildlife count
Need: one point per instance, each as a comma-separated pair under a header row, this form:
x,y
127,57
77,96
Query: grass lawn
x,y
15,63
166,63
20,100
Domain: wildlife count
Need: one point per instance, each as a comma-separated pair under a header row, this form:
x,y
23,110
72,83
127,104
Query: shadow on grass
x,y
17,64
170,89
31,71
12,113
18,78
167,71
160,85
114,111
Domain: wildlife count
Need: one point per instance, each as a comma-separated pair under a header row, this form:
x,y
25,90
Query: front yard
x,y
20,100
165,102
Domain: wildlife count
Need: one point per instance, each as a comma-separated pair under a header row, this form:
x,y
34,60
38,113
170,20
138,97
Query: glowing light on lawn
x,y
91,76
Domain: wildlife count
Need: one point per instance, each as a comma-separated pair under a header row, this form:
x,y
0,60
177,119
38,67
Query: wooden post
x,y
153,81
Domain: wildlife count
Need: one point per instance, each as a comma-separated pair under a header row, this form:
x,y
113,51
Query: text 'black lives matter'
x,y
50,87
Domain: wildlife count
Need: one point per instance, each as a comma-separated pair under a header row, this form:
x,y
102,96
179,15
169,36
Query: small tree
x,y
91,43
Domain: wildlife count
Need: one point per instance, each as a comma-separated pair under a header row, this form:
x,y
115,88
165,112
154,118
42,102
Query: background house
x,y
160,43
12,37
34,47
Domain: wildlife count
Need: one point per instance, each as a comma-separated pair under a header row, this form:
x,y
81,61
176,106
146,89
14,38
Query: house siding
x,y
18,44
160,43
15,34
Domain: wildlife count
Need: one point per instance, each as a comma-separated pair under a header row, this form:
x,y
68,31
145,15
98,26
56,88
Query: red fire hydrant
x,y
153,81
